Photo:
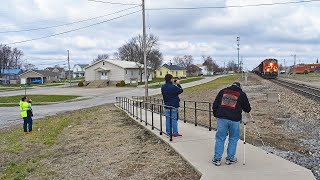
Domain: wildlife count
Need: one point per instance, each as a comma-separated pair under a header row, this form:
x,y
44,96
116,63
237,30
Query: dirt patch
x,y
109,145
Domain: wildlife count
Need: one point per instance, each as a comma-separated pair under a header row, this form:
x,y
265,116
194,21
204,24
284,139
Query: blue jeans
x,y
27,121
225,127
174,114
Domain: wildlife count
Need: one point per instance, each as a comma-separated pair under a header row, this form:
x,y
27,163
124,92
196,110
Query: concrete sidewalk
x,y
197,147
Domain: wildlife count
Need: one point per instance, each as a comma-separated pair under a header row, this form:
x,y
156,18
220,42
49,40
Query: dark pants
x,y
27,121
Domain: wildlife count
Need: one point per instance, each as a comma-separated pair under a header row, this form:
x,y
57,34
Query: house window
x,y
102,73
103,63
160,73
312,67
131,73
126,71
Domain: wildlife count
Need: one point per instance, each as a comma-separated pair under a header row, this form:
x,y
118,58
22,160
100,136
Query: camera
x,y
175,81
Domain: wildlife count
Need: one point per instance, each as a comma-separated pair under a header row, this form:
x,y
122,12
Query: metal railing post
x,y
195,114
170,124
132,101
184,112
145,114
210,121
152,117
137,110
140,111
160,112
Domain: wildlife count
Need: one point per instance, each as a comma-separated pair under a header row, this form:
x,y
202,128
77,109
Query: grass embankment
x,y
184,81
96,143
10,101
204,93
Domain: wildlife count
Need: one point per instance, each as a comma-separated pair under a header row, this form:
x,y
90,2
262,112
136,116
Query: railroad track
x,y
306,90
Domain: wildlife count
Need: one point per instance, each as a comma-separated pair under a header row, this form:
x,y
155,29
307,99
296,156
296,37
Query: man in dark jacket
x,y
227,108
170,92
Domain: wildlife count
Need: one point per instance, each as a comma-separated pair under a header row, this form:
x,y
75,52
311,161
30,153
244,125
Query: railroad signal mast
x,y
238,44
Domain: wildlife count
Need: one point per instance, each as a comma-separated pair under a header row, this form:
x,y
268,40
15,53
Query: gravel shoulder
x,y
104,143
290,128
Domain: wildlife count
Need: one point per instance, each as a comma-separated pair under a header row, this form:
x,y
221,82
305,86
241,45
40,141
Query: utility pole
x,y
238,43
294,67
144,48
241,67
69,69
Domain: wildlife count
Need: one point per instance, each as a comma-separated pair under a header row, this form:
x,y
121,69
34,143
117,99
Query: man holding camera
x,y
170,93
227,108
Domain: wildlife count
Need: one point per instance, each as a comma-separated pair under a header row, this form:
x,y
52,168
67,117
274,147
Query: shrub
x,y
80,84
122,84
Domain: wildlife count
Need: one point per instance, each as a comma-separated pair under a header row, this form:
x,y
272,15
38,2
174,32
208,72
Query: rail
x,y
135,108
191,111
302,88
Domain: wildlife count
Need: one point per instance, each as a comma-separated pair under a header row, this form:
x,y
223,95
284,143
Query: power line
x,y
108,2
233,6
66,24
65,32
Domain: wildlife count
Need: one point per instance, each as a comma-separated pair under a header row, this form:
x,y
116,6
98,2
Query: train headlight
x,y
268,70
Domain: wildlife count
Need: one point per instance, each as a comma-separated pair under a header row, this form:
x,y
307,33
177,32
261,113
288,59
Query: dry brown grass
x,y
107,144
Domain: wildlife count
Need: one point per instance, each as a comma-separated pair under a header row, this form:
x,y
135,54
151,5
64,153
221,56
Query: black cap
x,y
236,84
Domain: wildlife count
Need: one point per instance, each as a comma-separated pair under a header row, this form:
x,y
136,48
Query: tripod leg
x,y
256,127
244,139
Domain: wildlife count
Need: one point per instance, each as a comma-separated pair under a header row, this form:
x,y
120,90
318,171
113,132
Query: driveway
x,y
10,115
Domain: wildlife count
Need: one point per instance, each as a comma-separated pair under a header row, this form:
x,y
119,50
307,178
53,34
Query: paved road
x,y
10,115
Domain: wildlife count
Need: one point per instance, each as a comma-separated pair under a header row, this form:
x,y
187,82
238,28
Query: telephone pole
x,y
69,69
238,44
144,48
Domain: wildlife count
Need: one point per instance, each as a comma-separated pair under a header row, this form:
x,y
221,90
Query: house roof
x,y
42,72
119,63
193,67
10,71
82,65
173,67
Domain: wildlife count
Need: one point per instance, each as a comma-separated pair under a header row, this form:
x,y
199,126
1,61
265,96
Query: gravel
x,y
291,127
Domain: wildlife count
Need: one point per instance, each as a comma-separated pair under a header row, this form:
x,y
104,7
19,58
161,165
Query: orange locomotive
x,y
268,69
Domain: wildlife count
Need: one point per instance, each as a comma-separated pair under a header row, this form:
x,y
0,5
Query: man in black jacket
x,y
227,108
170,93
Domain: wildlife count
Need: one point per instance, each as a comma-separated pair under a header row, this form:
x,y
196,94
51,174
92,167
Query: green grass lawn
x,y
37,98
222,81
155,80
10,89
184,81
28,148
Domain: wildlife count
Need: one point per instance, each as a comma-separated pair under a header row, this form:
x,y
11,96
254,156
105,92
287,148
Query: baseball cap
x,y
236,84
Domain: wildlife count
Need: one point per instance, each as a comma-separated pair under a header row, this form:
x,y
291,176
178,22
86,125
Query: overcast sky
x,y
266,32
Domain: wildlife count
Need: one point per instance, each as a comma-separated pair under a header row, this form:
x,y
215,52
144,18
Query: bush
x,y
80,84
121,84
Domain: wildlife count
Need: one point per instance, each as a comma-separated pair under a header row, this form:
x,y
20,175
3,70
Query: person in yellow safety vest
x,y
26,114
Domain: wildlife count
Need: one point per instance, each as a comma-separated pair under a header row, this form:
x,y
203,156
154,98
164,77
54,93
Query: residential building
x,y
205,70
115,71
78,70
174,70
193,70
38,77
10,76
59,70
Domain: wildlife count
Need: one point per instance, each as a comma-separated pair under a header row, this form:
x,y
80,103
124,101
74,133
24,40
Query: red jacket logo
x,y
230,99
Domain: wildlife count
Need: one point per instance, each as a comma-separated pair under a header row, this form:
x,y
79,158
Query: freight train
x,y
267,69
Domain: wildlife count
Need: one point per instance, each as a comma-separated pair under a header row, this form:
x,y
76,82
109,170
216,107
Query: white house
x,y
114,71
78,70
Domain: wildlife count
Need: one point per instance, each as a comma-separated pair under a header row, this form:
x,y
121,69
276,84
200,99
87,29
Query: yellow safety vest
x,y
24,106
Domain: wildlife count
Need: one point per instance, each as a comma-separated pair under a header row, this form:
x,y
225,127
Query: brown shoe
x,y
25,133
30,132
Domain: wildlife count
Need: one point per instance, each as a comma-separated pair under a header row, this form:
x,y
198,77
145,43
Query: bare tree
x,y
210,64
100,57
183,61
231,66
29,66
133,51
9,58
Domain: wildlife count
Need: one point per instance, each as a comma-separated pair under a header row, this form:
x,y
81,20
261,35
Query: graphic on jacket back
x,y
230,99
